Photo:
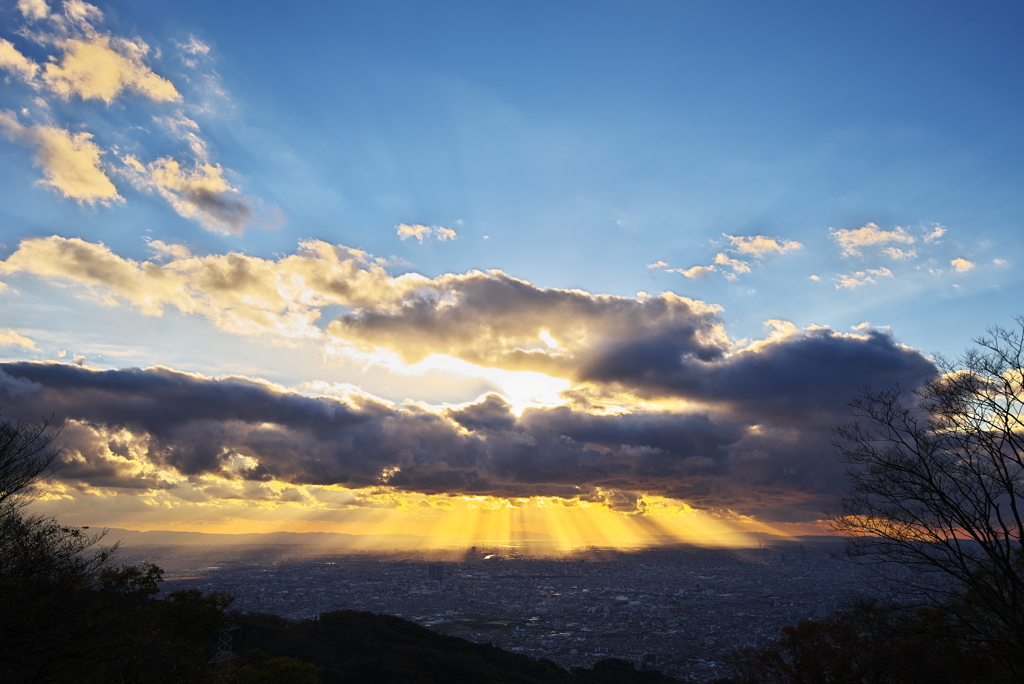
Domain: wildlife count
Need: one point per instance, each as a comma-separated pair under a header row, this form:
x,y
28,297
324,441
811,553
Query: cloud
x,y
15,62
163,251
853,242
101,67
200,193
70,161
186,130
665,346
858,278
12,337
495,320
760,245
936,233
238,293
489,319
693,271
736,265
419,231
761,449
899,254
194,46
961,265
33,10
416,230
757,246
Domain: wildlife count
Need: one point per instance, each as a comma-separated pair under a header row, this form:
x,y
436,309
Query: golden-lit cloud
x,y
199,192
899,254
935,234
239,293
88,63
760,245
10,337
858,278
754,246
492,319
961,265
18,64
71,162
101,68
488,319
33,10
420,231
852,242
737,265
693,271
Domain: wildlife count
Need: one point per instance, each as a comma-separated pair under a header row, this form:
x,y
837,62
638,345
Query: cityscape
x,y
681,610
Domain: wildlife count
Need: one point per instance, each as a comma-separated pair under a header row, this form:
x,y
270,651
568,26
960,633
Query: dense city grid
x,y
682,609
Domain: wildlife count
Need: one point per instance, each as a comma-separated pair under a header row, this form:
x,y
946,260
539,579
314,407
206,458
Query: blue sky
x,y
814,165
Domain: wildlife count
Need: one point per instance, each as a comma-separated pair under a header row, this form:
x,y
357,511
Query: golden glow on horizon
x,y
386,518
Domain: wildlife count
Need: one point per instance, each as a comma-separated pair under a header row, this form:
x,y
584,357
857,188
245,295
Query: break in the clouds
x,y
88,66
756,436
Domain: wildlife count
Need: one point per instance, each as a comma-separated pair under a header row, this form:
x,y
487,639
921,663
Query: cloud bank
x,y
753,436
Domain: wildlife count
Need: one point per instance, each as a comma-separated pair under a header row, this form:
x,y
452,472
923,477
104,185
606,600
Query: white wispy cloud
x,y
737,265
868,276
18,64
760,245
420,231
852,242
755,246
934,234
693,271
33,10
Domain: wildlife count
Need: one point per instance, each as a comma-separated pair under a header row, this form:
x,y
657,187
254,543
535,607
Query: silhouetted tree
x,y
868,643
937,497
27,454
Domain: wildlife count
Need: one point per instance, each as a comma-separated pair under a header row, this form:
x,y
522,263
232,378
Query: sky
x,y
572,273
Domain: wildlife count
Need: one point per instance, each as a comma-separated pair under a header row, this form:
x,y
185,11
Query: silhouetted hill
x,y
351,646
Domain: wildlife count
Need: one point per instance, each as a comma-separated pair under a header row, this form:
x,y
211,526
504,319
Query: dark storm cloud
x,y
759,445
813,371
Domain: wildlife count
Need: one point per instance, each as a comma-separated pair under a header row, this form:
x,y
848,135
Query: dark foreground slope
x,y
350,646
